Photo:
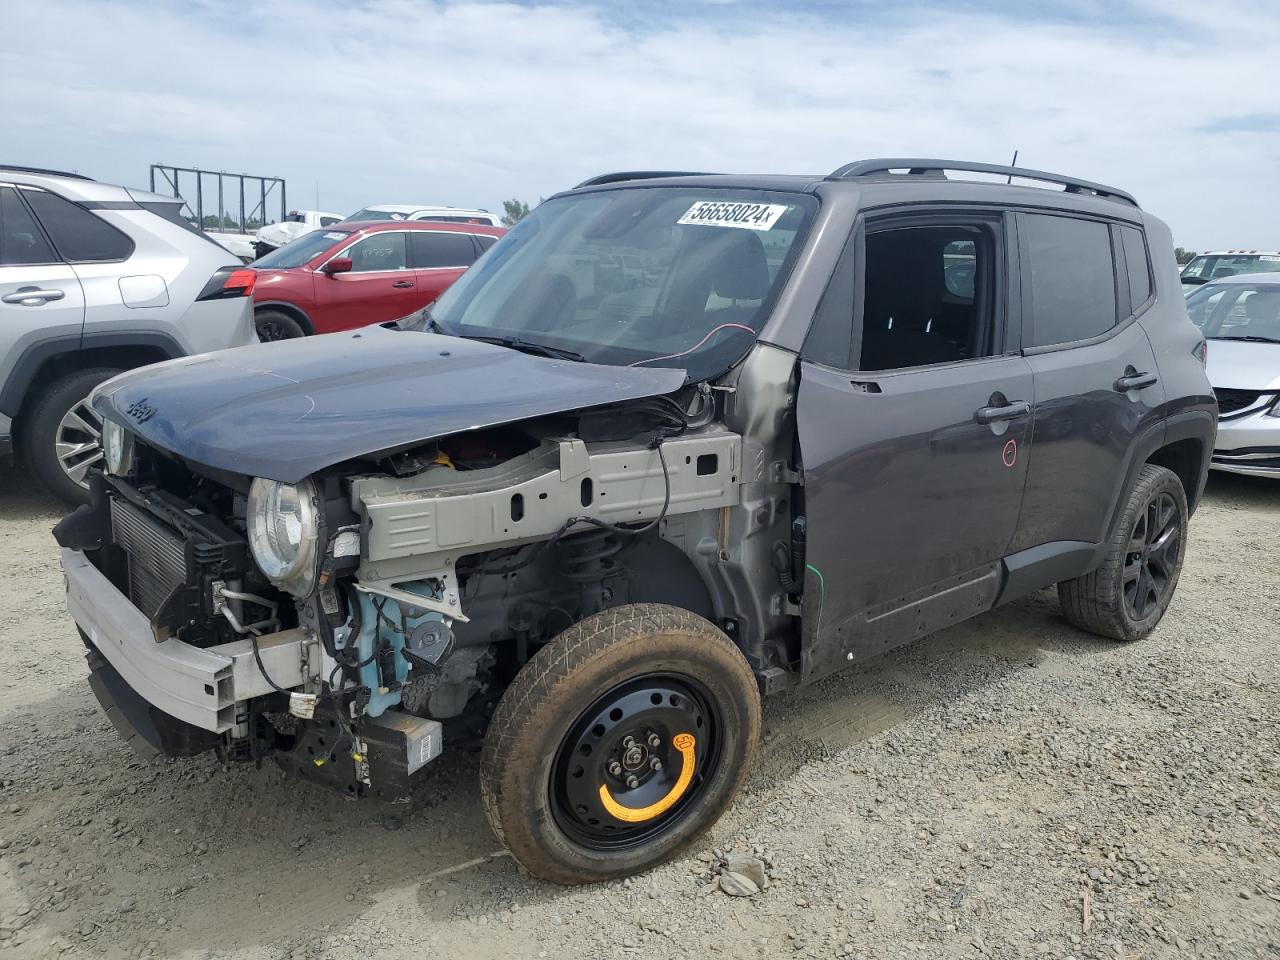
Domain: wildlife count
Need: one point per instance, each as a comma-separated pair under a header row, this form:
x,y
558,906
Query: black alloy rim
x,y
270,330
1152,556
634,741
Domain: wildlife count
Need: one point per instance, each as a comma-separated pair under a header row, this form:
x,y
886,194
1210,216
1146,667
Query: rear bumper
x,y
205,688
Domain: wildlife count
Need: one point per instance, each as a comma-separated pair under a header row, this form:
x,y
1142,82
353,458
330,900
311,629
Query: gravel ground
x,y
1008,788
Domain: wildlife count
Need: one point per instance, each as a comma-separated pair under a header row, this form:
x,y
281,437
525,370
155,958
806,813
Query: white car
x,y
1206,267
294,225
1240,317
411,211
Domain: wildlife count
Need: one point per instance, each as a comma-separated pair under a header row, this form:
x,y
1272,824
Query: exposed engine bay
x,y
438,572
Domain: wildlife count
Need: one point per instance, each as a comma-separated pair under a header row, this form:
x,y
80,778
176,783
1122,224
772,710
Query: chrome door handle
x,y
1007,411
32,296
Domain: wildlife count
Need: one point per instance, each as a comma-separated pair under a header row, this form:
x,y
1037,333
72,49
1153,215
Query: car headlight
x,y
283,532
117,448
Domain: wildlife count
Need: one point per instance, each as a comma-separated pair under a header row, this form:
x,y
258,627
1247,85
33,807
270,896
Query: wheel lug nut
x,y
654,742
615,768
628,742
655,763
632,782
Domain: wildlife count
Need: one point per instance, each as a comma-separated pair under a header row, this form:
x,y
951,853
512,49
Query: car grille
x,y
1231,401
157,556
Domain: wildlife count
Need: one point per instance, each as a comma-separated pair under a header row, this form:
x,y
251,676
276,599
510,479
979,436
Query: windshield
x,y
302,250
369,213
662,276
1216,266
1229,311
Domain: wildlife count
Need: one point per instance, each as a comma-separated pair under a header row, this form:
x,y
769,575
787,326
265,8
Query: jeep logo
x,y
141,410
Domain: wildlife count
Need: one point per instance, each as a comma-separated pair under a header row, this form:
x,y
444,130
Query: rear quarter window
x,y
80,235
1137,264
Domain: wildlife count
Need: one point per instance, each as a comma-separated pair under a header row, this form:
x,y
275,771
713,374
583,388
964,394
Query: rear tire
x,y
1127,596
62,437
273,325
654,687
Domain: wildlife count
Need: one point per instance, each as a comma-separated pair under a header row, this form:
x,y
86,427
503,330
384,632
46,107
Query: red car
x,y
354,274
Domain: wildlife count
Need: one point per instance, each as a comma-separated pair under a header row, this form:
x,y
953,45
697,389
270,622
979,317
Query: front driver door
x,y
914,460
380,285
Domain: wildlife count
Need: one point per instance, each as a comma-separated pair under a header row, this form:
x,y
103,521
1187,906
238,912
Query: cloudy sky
x,y
471,103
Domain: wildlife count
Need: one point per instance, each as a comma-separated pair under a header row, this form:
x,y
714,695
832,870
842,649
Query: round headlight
x,y
283,531
117,448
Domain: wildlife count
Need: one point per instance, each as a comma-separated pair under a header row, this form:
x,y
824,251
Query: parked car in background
x,y
1240,317
603,513
95,279
409,211
1205,267
358,272
295,224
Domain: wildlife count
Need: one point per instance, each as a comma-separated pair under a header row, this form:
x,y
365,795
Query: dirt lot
x,y
1008,788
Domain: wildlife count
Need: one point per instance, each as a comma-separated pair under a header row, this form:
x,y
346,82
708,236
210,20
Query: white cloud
x,y
391,100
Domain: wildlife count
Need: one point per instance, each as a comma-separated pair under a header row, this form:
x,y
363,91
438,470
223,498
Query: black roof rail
x,y
41,170
937,168
625,175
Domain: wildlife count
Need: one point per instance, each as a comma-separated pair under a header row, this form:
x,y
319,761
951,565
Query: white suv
x,y
95,279
412,211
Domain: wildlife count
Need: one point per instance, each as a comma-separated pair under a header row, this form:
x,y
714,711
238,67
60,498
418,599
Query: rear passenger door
x,y
40,295
1096,383
439,258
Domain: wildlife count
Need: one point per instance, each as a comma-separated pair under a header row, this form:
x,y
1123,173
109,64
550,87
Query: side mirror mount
x,y
337,265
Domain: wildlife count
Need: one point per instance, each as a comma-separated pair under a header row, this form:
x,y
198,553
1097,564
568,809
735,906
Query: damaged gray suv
x,y
675,442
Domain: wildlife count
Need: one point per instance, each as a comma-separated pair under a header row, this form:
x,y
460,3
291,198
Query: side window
x,y
1135,255
21,242
329,221
485,241
928,295
379,251
1071,277
79,235
441,249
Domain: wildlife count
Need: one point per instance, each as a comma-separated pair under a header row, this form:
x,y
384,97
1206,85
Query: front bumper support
x,y
203,687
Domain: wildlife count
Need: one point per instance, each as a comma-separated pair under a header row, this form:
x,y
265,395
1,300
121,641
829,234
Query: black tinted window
x,y
441,249
1072,278
1135,255
20,239
485,242
78,234
378,251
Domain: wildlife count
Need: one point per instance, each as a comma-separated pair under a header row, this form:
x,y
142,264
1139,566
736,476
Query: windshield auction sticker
x,y
745,216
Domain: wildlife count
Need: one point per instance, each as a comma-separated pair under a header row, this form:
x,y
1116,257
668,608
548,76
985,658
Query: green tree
x,y
1183,256
513,211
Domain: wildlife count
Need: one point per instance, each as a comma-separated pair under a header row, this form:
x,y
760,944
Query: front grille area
x,y
1232,401
157,557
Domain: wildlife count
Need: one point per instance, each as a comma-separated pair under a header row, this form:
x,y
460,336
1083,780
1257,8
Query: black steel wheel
x,y
1128,594
619,743
635,761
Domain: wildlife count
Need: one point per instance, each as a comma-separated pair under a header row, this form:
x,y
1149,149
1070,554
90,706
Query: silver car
x,y
1240,317
96,279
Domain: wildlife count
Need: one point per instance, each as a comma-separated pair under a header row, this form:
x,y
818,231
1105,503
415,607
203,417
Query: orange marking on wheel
x,y
683,742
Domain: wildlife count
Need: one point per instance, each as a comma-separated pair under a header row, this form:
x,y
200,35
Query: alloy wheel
x,y
78,443
1151,558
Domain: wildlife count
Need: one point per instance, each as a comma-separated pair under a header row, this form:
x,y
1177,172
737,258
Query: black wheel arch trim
x,y
286,307
14,392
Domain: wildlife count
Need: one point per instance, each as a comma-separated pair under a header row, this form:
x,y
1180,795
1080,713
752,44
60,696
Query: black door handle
x,y
1134,381
402,284
1005,411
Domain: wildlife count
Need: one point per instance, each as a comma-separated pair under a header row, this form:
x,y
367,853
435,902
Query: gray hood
x,y
1244,365
285,410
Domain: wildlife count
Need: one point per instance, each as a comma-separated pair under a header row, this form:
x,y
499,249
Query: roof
x,y
373,226
1239,253
419,207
